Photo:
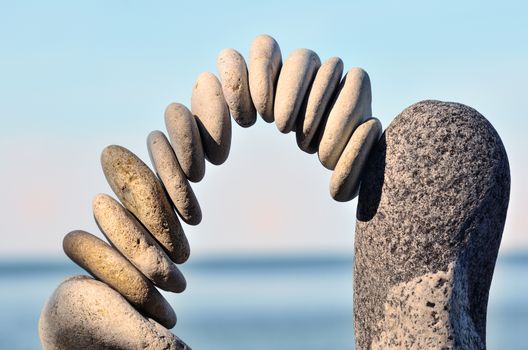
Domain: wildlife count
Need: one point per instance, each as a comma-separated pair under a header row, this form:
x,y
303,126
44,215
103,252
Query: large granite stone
x,y
431,212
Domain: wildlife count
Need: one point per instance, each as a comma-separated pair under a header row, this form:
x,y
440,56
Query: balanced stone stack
x,y
119,307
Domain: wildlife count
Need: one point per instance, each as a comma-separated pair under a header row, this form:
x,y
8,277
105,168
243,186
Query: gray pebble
x,y
316,108
212,115
351,107
295,78
87,314
109,266
265,62
133,241
140,191
185,139
173,178
344,184
430,217
235,85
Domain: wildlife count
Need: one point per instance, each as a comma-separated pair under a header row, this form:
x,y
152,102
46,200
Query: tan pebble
x,y
185,139
133,241
265,62
319,98
234,76
351,107
214,123
140,191
169,171
295,78
346,178
107,265
83,313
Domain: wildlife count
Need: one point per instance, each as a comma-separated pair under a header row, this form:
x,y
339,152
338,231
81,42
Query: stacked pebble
x,y
329,114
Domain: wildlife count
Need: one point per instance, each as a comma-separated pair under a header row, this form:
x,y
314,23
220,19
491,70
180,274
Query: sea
x,y
301,302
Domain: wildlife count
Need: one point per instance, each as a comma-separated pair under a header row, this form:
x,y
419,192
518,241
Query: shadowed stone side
x,y
430,217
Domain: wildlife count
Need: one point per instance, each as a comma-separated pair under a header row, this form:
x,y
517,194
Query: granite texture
x,y
430,217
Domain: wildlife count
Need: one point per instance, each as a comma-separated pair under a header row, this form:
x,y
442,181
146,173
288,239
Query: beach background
x,y
271,263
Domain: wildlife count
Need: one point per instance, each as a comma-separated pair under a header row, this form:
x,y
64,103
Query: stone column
x,y
430,218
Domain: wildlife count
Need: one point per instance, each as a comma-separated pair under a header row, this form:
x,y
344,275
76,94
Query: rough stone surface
x,y
84,313
132,240
265,61
109,266
351,107
171,174
235,85
431,212
212,116
140,191
344,184
185,139
316,107
295,78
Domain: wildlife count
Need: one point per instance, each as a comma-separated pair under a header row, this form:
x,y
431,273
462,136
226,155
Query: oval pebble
x,y
185,139
235,85
140,191
265,61
214,123
295,78
346,178
132,240
351,107
109,266
319,98
173,178
83,313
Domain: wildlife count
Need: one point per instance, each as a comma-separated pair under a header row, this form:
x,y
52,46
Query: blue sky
x,y
76,76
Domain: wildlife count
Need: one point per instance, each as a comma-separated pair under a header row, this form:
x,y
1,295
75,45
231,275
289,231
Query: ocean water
x,y
256,304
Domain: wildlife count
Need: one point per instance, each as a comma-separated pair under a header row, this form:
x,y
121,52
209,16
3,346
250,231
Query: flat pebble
x,y
265,61
140,191
169,171
133,241
209,107
319,98
344,184
295,78
83,313
185,139
351,107
235,85
109,266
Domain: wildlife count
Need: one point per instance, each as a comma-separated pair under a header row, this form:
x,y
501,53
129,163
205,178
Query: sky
x,y
76,76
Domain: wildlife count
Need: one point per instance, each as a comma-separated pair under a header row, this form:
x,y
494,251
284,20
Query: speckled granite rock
x,y
84,313
431,213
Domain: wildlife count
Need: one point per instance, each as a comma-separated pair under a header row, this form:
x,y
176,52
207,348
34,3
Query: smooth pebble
x,y
133,241
212,115
185,140
265,61
319,98
141,192
235,86
295,78
169,171
352,106
109,266
344,184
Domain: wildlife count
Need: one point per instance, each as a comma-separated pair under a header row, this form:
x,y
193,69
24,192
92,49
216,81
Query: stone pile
x,y
120,307
432,205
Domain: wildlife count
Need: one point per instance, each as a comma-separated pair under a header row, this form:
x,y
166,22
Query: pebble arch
x,y
145,195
